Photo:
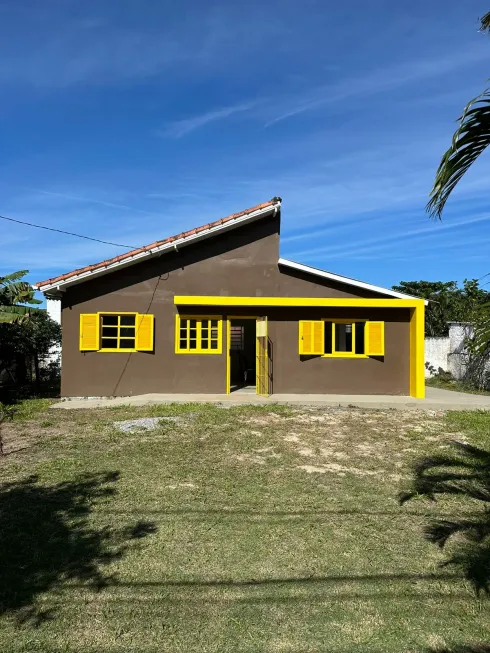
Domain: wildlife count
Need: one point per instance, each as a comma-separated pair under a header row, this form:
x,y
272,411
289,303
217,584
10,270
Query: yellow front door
x,y
262,381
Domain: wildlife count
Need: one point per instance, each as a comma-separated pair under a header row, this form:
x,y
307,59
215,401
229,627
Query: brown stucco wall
x,y
241,263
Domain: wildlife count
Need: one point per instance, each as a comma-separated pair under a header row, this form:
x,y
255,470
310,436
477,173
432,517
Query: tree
x,y
447,302
24,343
470,139
14,295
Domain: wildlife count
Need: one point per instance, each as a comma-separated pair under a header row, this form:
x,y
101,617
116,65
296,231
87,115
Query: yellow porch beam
x,y
417,352
215,300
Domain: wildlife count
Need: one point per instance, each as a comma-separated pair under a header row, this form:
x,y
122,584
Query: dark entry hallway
x,y
242,355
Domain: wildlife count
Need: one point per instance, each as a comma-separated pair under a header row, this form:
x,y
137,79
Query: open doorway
x,y
242,351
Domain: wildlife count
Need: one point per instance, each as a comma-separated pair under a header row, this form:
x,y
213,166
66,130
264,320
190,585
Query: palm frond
x,y
470,139
485,23
481,338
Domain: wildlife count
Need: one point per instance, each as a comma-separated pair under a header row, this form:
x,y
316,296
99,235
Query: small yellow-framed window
x,y
116,332
338,338
345,339
201,334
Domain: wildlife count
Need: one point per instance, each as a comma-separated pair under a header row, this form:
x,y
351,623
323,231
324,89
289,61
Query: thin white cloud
x,y
180,128
380,80
90,200
372,245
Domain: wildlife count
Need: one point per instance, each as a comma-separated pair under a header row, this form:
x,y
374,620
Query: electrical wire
x,y
68,233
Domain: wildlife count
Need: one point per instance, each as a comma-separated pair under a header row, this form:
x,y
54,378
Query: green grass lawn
x,y
258,529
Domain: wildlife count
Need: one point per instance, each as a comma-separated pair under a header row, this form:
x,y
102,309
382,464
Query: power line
x,y
68,233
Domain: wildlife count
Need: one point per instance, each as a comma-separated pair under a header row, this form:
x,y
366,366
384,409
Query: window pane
x,y
193,333
343,337
183,343
193,323
204,332
214,323
183,324
126,343
328,337
183,332
205,344
109,320
128,320
214,333
360,329
127,332
192,344
214,344
109,332
109,343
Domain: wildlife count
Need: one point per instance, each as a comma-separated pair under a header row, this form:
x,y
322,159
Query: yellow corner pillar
x,y
417,350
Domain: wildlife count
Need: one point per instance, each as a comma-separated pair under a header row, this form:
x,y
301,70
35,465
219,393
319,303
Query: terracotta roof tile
x,y
158,243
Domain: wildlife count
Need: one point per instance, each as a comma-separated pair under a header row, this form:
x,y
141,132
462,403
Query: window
x,y
237,338
116,332
341,338
344,339
198,335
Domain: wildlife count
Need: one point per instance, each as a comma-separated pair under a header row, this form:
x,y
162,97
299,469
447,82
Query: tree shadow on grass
x,y
46,540
465,474
463,648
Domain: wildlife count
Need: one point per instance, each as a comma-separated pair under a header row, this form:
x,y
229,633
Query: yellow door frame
x,y
229,318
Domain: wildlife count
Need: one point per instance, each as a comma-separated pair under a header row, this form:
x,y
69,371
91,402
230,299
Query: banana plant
x,y
17,301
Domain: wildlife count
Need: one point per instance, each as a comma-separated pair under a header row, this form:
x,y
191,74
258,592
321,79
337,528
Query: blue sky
x,y
132,121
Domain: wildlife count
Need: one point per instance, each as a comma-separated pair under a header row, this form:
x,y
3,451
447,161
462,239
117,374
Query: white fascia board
x,y
161,249
347,280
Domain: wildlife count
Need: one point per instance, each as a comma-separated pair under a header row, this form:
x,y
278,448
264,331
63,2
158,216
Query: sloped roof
x,y
136,255
346,280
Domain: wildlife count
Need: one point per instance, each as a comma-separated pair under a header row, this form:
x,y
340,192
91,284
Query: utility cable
x,y
68,233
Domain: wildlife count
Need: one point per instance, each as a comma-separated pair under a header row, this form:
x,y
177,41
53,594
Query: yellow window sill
x,y
196,351
117,351
345,356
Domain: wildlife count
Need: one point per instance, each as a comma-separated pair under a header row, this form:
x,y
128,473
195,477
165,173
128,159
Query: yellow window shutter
x,y
144,332
311,337
375,340
89,332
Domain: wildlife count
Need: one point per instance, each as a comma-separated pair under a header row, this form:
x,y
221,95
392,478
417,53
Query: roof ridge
x,y
158,243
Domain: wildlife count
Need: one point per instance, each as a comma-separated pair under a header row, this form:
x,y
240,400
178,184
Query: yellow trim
x,y
306,346
119,313
228,346
199,319
369,347
417,354
212,300
118,351
345,354
113,350
228,357
84,317
262,349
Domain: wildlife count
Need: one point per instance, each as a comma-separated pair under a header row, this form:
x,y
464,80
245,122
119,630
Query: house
x,y
216,310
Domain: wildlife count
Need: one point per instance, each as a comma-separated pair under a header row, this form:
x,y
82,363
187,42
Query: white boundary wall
x,y
449,353
53,308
